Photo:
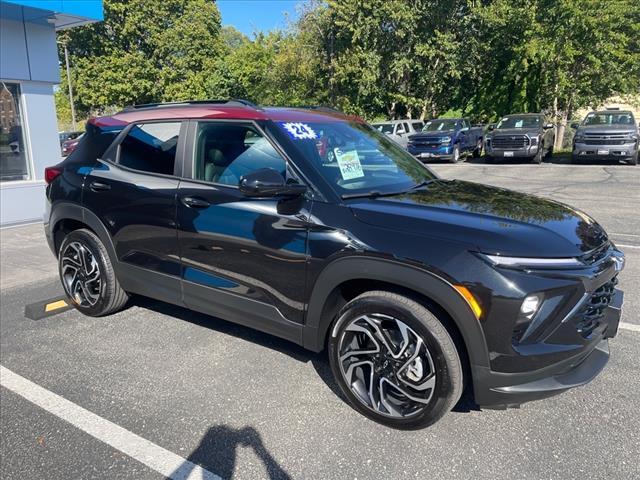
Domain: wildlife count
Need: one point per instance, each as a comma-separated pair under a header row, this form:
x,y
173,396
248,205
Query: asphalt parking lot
x,y
177,390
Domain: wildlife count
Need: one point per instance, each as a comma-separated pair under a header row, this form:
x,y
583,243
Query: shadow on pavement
x,y
217,452
319,361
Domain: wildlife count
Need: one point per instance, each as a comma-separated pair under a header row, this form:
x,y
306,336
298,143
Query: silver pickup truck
x,y
606,135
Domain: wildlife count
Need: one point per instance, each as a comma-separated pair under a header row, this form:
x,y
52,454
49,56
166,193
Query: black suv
x,y
312,226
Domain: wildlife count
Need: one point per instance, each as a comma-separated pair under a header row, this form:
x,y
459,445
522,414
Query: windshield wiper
x,y
370,194
423,183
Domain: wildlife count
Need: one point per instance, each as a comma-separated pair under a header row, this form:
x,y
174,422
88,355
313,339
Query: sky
x,y
251,15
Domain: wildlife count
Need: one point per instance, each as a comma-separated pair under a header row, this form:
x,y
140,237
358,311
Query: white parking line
x,y
153,456
629,326
627,246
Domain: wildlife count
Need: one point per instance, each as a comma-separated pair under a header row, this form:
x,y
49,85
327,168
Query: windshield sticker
x,y
349,163
299,131
519,123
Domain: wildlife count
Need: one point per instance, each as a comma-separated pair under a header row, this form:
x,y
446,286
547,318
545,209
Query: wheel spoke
x,y
80,272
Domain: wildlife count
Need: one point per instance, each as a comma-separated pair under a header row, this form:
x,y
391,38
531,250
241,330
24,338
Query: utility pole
x,y
73,108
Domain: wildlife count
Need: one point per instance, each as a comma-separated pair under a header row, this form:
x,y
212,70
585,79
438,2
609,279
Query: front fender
x,y
416,279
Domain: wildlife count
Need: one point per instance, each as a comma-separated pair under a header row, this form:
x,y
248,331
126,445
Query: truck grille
x,y
510,142
606,139
592,312
431,142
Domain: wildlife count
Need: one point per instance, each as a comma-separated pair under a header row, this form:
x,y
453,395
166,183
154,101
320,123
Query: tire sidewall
x,y
92,243
441,401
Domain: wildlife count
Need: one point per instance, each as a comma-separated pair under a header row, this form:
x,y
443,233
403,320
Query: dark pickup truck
x,y
446,138
520,136
606,135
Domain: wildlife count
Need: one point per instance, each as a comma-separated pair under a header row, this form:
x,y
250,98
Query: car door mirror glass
x,y
266,182
548,126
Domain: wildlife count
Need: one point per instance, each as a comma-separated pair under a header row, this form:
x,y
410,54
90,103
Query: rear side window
x,y
151,147
417,126
93,144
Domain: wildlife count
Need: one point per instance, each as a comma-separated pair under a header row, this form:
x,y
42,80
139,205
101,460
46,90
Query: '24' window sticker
x,y
299,131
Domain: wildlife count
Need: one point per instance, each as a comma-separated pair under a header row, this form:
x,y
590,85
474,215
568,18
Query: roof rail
x,y
237,102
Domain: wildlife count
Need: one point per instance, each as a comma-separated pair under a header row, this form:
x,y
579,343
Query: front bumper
x,y
604,152
527,152
444,152
503,390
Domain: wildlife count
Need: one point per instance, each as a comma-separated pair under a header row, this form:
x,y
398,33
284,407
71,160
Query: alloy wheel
x,y
387,365
80,274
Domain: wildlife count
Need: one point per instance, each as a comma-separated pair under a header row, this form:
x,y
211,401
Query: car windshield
x,y
439,125
520,122
384,127
608,118
355,158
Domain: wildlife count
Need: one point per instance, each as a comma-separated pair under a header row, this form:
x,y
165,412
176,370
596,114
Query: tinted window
x,y
417,126
517,121
227,151
93,143
439,125
151,147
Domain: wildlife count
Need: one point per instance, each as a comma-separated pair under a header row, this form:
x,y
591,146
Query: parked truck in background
x,y
399,130
520,136
446,138
606,135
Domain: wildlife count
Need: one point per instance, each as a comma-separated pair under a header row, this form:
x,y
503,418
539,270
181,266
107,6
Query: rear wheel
x,y
478,150
394,361
87,275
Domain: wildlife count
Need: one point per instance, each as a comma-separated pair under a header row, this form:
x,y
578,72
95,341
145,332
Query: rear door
x,y
244,259
133,193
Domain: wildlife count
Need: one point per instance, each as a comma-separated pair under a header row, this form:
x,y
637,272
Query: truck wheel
x,y
489,159
574,159
634,160
478,150
87,275
538,156
394,361
549,153
455,155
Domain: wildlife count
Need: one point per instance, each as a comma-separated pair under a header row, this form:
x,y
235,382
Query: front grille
x,y
512,142
589,141
590,315
432,142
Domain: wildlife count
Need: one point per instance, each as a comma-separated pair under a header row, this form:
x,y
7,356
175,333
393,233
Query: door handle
x,y
99,186
194,202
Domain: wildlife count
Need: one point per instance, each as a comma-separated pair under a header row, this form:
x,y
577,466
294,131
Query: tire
x,y
435,370
455,155
574,159
549,153
634,160
87,275
477,152
537,158
489,159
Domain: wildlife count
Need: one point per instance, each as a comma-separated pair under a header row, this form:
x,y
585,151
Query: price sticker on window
x,y
349,164
299,131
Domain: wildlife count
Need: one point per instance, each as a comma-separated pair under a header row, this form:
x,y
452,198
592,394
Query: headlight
x,y
445,139
528,262
534,141
530,306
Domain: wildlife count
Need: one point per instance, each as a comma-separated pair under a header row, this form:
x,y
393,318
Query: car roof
x,y
611,112
218,110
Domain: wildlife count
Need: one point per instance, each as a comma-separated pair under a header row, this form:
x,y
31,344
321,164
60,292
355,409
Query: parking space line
x,y
629,326
153,456
627,246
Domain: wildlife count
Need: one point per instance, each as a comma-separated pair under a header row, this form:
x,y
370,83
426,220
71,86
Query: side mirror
x,y
491,126
266,182
575,125
547,126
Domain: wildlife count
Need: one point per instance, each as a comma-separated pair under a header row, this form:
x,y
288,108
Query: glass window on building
x,y
13,155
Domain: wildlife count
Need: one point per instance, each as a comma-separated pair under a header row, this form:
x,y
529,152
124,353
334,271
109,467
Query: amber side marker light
x,y
471,300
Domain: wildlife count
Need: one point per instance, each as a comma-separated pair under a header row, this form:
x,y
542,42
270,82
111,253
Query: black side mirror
x,y
547,126
266,182
491,126
575,125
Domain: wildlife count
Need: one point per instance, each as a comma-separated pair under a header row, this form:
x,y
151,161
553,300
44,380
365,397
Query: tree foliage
x,y
375,58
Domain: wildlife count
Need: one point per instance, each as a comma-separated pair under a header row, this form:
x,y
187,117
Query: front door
x,y
244,259
132,191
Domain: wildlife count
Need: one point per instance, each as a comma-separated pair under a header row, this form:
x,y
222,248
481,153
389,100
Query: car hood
x,y
604,129
516,131
488,219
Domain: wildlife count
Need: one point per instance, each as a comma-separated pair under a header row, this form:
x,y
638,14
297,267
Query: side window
x,y
417,126
150,147
225,152
406,127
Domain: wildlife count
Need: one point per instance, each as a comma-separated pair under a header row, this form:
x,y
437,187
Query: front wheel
x,y
538,156
394,361
478,150
87,275
455,155
634,160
